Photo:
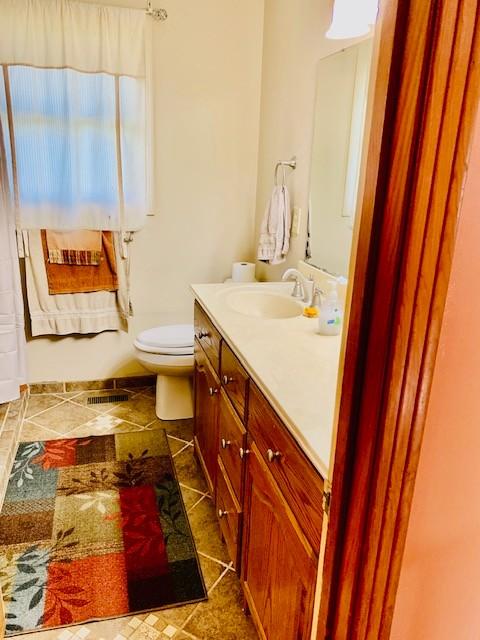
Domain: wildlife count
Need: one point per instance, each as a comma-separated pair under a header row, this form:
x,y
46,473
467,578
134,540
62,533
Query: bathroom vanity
x,y
265,386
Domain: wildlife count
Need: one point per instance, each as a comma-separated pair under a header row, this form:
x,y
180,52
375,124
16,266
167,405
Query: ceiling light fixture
x,y
352,18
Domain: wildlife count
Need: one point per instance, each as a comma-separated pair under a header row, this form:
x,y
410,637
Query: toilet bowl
x,y
168,352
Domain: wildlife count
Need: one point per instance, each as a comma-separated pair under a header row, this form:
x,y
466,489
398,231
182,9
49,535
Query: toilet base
x,y
174,398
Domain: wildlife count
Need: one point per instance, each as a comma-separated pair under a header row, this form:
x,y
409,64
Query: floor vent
x,y
119,397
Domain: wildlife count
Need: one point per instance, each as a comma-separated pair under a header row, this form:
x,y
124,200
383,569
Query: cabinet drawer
x,y
234,380
299,482
229,514
207,336
231,433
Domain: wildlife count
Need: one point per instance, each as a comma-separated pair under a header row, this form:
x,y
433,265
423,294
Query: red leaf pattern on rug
x,y
143,539
59,453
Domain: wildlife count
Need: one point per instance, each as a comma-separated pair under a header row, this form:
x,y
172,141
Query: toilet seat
x,y
168,352
175,340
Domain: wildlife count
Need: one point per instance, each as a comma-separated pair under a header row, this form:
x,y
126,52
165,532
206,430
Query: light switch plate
x,y
296,218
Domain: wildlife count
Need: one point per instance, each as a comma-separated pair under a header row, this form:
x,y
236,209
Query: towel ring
x,y
284,163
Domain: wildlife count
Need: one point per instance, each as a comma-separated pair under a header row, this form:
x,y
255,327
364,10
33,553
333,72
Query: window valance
x,y
78,35
75,105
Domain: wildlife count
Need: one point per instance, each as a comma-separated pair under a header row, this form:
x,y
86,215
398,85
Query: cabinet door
x,y
207,393
231,434
229,514
278,564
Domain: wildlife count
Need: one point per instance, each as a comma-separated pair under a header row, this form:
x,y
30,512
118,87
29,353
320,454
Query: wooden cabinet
x,y
207,394
234,380
268,496
229,514
300,483
207,336
232,444
278,564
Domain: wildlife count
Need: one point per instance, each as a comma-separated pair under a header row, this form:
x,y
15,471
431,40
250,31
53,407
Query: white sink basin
x,y
263,304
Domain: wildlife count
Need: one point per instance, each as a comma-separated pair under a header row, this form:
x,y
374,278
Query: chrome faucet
x,y
317,295
300,282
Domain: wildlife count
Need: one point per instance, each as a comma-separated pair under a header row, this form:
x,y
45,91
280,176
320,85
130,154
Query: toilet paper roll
x,y
243,272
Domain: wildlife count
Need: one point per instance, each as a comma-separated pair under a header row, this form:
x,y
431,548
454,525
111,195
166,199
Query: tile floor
x,y
60,415
11,417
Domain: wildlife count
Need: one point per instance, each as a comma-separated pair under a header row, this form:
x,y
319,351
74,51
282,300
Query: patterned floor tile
x,y
221,617
93,430
190,497
102,424
139,410
64,417
7,440
3,411
206,531
39,403
189,472
32,432
177,445
181,429
148,391
68,395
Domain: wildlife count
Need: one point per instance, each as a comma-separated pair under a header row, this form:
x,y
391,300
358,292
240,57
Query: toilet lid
x,y
176,338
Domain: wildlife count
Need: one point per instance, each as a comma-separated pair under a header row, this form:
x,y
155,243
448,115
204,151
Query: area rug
x,y
94,528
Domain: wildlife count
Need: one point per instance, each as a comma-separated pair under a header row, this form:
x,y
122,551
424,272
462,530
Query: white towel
x,y
274,241
68,313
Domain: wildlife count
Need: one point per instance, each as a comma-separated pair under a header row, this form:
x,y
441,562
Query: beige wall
x,y
439,595
207,67
294,42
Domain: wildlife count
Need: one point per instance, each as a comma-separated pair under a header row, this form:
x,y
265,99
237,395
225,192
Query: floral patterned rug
x,y
93,528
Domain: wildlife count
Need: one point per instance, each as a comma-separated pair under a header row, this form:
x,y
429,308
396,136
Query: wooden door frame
x,y
424,103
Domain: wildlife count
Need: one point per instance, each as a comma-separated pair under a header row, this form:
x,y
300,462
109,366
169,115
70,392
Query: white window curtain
x,y
75,97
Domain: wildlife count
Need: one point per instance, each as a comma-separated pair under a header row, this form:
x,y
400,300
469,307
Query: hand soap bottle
x,y
330,316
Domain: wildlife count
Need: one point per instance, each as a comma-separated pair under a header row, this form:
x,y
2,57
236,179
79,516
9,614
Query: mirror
x,y
340,109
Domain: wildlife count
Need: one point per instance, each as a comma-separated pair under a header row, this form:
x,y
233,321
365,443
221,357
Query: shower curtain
x,y
12,332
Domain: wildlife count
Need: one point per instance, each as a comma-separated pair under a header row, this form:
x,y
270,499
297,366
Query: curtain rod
x,y
156,14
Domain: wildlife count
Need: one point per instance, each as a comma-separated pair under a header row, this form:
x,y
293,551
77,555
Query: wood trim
x,y
413,186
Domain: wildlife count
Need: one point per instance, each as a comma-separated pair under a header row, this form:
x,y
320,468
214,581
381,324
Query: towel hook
x,y
292,163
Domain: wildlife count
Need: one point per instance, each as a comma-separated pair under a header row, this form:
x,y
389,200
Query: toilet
x,y
168,352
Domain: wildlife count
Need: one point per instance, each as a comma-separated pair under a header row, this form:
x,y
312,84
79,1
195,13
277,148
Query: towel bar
x,y
292,163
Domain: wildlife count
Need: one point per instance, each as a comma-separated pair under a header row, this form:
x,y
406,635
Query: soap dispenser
x,y
330,316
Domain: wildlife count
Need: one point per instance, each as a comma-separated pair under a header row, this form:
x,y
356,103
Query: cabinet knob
x,y
225,443
243,452
273,455
227,380
222,513
212,390
202,334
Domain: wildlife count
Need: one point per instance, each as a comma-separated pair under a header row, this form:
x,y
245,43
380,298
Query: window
x,y
76,147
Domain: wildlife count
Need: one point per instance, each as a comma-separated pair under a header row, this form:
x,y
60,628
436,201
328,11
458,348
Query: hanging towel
x,y
274,241
83,247
66,278
69,313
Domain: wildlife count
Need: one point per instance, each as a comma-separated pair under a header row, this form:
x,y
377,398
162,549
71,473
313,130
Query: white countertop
x,y
295,367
